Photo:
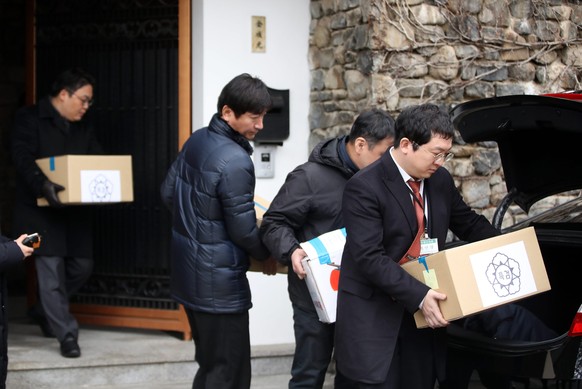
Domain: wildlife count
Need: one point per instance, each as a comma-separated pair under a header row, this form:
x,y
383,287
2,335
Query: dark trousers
x,y
413,365
313,349
58,279
223,350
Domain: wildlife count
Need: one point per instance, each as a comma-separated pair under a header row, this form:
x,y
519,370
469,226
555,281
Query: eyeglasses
x,y
445,157
84,100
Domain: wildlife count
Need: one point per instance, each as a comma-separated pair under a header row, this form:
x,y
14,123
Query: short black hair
x,y
245,93
71,80
374,125
419,123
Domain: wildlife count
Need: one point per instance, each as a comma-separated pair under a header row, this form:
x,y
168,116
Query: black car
x,y
540,145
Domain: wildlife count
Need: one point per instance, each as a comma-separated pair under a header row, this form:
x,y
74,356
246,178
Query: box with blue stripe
x,y
89,179
261,206
322,265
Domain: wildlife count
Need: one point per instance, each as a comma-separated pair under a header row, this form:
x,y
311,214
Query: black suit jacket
x,y
374,291
40,132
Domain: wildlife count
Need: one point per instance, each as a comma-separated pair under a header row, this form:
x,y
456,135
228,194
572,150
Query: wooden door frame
x,y
184,71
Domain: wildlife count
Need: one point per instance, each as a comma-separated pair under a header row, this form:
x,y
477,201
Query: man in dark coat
x,y
11,252
211,190
64,261
377,342
308,205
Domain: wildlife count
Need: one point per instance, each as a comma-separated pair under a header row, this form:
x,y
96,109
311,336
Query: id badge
x,y
429,246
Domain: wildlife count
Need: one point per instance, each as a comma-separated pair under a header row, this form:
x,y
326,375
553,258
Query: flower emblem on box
x,y
503,274
101,189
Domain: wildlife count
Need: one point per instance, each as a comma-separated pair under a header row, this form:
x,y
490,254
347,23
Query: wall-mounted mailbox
x,y
276,122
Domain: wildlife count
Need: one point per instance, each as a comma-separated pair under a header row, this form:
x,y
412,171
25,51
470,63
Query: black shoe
x,y
38,318
70,348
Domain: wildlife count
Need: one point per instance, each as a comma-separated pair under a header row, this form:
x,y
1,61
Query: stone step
x,y
278,381
118,357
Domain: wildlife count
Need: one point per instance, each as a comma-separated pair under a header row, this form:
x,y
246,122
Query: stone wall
x,y
395,53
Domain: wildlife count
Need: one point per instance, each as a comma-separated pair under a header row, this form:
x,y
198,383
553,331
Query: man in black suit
x,y
308,205
55,126
377,342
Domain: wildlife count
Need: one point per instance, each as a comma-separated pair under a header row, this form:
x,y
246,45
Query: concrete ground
x,y
121,358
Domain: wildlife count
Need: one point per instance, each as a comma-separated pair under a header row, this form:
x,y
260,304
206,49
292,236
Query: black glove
x,y
49,191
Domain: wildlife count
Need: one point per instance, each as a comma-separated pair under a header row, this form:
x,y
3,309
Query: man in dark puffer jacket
x,y
308,205
211,189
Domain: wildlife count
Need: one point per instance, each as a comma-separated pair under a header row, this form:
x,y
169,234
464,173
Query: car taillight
x,y
576,329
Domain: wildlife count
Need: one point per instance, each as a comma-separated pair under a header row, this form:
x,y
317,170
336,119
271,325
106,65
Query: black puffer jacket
x,y
308,204
214,223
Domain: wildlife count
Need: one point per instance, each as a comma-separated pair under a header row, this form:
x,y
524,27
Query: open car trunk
x,y
553,358
540,145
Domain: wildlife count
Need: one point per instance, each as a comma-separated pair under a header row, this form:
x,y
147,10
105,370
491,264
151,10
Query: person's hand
x,y
50,193
431,310
26,251
270,266
296,258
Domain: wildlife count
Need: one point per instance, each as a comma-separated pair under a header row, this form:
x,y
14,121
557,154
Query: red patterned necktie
x,y
418,205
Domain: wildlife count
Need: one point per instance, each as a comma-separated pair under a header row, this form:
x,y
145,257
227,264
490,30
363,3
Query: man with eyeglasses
x,y
397,209
306,206
52,127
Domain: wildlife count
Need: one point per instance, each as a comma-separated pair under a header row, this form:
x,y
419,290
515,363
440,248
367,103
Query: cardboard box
x,y
484,274
322,265
261,206
90,179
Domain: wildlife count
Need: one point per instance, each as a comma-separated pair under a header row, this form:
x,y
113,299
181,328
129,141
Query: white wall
x,y
221,50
